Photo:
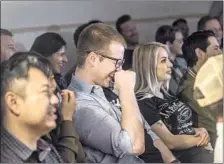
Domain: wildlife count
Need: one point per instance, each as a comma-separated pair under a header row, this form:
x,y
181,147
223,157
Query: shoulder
x,y
8,155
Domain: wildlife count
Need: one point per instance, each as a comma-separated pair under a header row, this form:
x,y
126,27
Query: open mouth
x,y
61,65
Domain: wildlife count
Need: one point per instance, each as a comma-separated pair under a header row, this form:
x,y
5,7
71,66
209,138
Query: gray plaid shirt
x,y
99,126
14,151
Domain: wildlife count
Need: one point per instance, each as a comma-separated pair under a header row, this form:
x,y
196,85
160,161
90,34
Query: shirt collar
x,y
191,72
82,85
21,149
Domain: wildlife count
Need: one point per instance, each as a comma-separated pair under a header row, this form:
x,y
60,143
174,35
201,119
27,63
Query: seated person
x,y
28,108
169,118
198,47
64,137
52,46
108,133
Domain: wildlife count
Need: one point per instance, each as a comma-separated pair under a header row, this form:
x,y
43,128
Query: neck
x,y
131,46
172,56
26,135
84,74
196,68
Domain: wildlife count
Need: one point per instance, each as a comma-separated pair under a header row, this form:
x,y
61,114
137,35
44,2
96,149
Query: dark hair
x,y
94,21
81,28
6,32
78,32
196,40
166,33
180,20
202,22
121,20
17,67
48,43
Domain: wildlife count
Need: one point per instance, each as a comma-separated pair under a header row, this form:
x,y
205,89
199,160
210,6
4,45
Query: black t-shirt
x,y
151,154
176,115
128,55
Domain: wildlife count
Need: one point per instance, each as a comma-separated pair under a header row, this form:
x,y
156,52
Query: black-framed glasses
x,y
119,62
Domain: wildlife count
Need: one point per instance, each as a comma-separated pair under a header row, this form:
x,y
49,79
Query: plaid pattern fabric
x,y
12,150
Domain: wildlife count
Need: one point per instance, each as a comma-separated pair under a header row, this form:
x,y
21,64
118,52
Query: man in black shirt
x,y
28,107
127,28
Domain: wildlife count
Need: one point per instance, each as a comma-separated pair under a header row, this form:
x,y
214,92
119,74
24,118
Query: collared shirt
x,y
203,116
179,69
99,124
14,151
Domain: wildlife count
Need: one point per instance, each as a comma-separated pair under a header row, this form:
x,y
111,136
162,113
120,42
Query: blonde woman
x,y
169,118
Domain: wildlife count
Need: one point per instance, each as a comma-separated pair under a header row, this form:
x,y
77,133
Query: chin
x,y
51,125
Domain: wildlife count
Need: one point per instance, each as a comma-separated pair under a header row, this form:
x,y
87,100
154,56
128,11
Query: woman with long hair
x,y
168,117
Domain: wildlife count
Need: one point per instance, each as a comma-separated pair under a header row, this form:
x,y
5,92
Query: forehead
x,y
128,24
213,41
178,35
116,50
5,39
212,24
37,79
162,53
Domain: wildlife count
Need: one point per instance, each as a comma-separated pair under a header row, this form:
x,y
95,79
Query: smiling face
x,y
129,32
104,68
8,47
163,68
215,26
58,60
36,108
176,46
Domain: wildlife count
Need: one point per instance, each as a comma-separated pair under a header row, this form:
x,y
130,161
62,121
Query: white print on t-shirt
x,y
184,115
178,116
116,103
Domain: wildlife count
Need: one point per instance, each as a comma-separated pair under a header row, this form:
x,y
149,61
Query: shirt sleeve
x,y
149,111
68,144
101,131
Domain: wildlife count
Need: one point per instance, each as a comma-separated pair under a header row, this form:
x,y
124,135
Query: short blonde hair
x,y
96,37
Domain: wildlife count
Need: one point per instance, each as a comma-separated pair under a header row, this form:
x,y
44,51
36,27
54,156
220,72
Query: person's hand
x,y
124,80
68,104
204,136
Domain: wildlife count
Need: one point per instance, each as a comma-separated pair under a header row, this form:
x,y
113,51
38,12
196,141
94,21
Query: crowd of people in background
x,y
121,102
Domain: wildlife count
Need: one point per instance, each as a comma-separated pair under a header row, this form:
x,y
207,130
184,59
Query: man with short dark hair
x,y
173,38
196,50
28,107
8,47
128,29
213,24
100,58
182,25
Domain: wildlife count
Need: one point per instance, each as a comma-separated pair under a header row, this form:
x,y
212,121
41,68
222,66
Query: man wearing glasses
x,y
108,133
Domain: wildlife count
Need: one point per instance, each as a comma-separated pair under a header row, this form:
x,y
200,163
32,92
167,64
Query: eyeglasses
x,y
119,62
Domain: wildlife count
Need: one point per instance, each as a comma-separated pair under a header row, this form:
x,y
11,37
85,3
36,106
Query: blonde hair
x,y
145,59
96,37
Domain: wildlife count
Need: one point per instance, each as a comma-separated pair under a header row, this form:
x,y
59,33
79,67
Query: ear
x,y
13,101
168,44
91,58
199,53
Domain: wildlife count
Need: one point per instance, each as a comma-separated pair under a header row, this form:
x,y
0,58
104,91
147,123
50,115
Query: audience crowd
x,y
121,102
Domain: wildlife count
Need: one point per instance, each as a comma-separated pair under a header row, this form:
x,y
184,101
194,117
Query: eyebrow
x,y
45,86
163,57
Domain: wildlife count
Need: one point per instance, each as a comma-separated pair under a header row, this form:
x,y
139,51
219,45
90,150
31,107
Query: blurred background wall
x,y
28,19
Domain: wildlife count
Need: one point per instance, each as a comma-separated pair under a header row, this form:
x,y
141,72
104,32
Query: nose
x,y
65,59
54,100
170,65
